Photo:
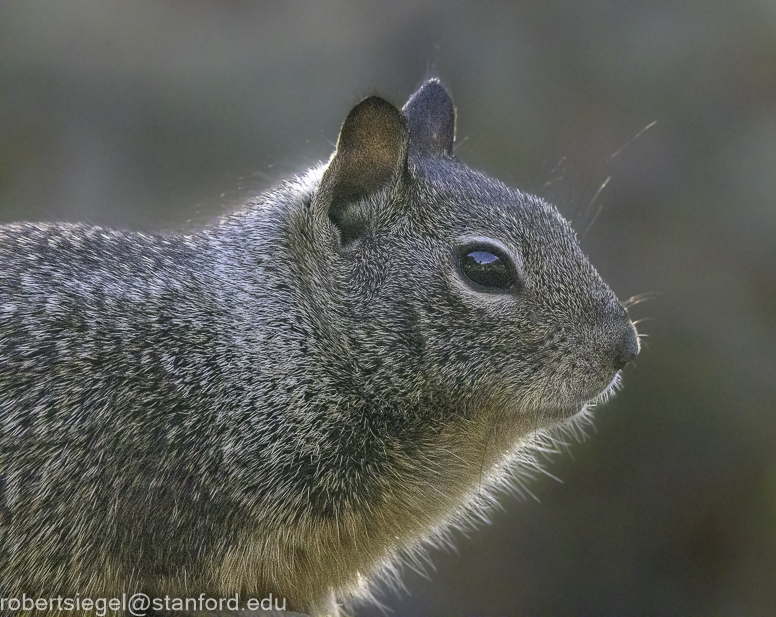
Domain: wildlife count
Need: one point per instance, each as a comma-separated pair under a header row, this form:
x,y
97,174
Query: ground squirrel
x,y
294,397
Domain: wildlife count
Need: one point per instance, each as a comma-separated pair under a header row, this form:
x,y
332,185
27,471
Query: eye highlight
x,y
486,267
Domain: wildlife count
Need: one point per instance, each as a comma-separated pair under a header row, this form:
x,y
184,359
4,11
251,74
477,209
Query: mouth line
x,y
599,399
561,413
602,397
609,391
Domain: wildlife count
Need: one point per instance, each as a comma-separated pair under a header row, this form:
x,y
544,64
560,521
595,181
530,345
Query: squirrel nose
x,y
627,347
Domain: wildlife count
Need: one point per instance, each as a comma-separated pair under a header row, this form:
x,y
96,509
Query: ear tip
x,y
377,107
374,102
431,93
435,84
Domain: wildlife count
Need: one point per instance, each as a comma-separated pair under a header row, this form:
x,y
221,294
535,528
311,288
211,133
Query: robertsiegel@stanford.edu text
x,y
138,604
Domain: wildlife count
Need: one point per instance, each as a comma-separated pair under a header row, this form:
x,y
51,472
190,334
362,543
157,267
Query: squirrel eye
x,y
487,267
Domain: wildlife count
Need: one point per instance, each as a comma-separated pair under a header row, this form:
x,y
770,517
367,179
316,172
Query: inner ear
x,y
370,156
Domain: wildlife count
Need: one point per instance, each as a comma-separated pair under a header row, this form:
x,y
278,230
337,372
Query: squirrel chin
x,y
584,408
615,385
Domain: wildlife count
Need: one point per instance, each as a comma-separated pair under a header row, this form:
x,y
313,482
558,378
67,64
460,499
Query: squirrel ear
x,y
431,117
371,154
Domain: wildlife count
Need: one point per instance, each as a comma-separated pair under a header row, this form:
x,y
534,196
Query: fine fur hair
x,y
296,397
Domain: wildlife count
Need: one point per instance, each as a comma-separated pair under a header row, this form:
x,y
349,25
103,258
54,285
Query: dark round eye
x,y
488,268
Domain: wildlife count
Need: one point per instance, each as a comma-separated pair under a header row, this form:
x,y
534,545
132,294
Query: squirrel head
x,y
445,280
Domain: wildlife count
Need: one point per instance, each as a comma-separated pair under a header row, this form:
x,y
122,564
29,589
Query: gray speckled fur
x,y
264,407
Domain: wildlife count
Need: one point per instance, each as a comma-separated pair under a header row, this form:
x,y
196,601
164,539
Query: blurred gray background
x,y
165,114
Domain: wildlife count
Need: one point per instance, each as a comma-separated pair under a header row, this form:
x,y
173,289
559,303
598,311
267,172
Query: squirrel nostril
x,y
627,348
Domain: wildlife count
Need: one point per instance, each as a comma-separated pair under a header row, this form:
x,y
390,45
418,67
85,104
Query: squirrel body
x,y
297,396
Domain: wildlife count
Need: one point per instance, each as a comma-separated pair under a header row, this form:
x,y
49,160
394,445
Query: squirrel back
x,y
299,395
